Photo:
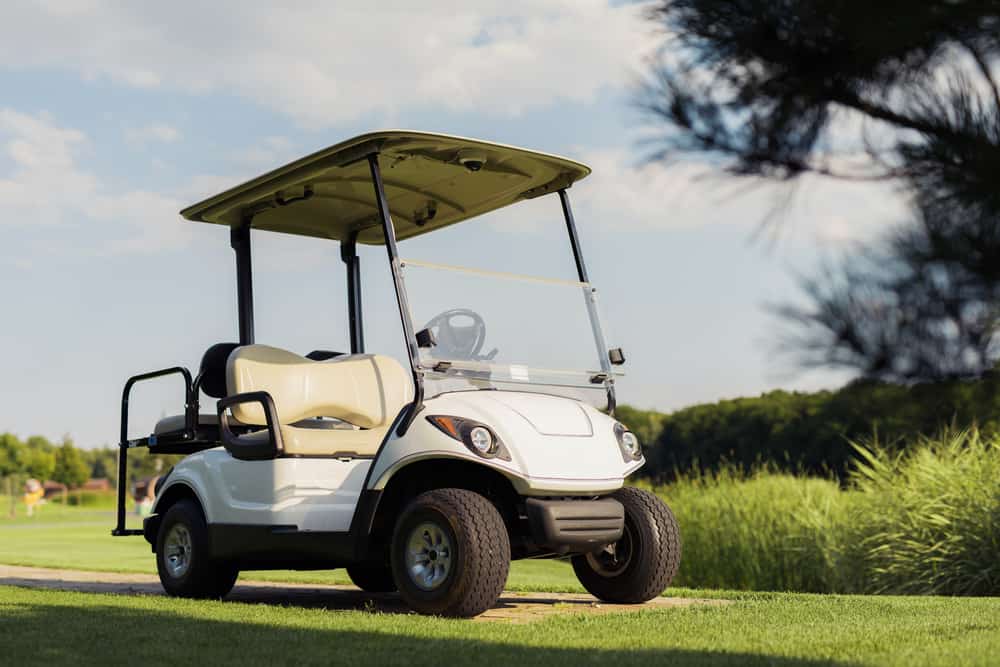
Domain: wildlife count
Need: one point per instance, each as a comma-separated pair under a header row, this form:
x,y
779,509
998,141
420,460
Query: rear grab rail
x,y
124,444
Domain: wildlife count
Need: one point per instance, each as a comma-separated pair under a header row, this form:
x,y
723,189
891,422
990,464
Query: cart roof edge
x,y
431,181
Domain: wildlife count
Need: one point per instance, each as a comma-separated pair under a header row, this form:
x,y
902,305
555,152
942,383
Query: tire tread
x,y
657,565
484,544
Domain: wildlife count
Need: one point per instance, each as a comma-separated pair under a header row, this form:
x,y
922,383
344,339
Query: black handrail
x,y
250,447
190,417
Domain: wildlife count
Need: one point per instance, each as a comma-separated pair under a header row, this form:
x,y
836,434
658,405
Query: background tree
x,y
38,458
860,90
11,453
70,468
103,462
38,463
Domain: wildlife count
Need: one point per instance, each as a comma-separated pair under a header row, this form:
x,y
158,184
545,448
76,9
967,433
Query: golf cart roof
x,y
430,182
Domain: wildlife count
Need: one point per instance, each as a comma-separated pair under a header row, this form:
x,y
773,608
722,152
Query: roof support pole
x,y
239,239
349,253
574,240
389,232
592,311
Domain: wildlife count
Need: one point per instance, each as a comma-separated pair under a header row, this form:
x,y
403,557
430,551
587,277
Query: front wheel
x,y
182,556
640,565
450,553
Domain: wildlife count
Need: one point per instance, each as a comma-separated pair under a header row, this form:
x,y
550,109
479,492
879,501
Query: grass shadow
x,y
83,630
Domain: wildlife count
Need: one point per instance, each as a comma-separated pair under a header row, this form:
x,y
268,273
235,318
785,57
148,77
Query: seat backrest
x,y
213,369
367,390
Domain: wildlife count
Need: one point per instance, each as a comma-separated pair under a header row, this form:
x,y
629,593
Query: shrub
x,y
924,521
930,522
809,432
763,531
93,499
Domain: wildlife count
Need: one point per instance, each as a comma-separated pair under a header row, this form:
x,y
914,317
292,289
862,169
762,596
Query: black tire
x,y
200,577
646,558
372,577
476,548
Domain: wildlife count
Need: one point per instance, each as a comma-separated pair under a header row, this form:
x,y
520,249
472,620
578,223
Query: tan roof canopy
x,y
428,185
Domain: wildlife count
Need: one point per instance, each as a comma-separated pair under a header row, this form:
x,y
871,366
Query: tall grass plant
x,y
926,521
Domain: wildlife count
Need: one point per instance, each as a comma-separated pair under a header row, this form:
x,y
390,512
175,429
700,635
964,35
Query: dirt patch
x,y
512,607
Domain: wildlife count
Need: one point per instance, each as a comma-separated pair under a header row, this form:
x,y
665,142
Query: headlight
x,y
479,438
628,443
482,440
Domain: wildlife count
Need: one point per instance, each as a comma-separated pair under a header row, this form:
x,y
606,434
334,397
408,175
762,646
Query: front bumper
x,y
564,526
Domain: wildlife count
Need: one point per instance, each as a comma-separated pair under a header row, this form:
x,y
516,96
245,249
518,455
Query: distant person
x,y
34,494
144,495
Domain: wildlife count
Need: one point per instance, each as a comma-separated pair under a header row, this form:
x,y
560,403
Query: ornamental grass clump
x,y
762,531
929,520
926,521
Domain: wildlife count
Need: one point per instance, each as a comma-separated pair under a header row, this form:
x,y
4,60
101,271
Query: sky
x,y
114,116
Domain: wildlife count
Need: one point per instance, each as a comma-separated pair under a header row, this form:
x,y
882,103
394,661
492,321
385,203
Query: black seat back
x,y
213,369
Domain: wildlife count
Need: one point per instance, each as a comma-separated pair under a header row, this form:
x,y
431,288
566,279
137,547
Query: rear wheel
x,y
372,577
182,556
450,553
640,565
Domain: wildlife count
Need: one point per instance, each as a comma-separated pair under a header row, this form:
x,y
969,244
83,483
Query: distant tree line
x,y
39,458
809,432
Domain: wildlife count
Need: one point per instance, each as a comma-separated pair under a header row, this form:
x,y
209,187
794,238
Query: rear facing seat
x,y
213,382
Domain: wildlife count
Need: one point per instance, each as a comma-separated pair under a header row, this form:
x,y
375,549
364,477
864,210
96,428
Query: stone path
x,y
512,607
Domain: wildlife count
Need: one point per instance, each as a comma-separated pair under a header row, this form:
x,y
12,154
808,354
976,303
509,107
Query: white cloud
x,y
44,183
625,194
264,154
323,63
156,132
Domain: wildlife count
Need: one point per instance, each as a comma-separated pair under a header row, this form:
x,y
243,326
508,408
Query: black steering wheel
x,y
458,339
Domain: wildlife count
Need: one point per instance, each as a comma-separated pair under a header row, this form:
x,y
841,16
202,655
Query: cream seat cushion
x,y
364,390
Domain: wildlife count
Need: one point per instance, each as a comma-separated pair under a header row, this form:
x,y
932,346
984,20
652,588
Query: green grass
x,y
931,519
749,542
766,531
50,627
923,522
80,538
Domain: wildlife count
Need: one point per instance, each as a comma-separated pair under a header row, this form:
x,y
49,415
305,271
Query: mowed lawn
x,y
48,627
51,627
71,538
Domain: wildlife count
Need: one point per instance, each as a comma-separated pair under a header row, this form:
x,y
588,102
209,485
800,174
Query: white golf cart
x,y
426,480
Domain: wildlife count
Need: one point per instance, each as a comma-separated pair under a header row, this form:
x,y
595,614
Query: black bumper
x,y
565,526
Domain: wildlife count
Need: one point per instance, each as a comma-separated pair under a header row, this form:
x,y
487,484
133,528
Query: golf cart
x,y
426,480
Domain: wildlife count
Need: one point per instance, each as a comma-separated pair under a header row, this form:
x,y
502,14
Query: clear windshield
x,y
491,329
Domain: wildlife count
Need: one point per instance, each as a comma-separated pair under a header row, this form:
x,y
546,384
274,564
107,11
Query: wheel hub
x,y
428,556
177,551
614,558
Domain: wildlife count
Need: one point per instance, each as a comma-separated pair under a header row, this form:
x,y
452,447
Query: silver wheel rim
x,y
428,556
177,550
613,559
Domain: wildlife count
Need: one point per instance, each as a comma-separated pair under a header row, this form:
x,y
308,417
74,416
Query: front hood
x,y
549,415
549,437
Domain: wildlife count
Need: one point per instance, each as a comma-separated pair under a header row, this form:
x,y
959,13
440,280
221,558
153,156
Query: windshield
x,y
490,329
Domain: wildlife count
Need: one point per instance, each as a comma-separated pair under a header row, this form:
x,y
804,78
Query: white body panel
x,y
312,494
558,446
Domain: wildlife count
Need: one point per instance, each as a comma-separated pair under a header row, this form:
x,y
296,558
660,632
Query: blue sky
x,y
113,117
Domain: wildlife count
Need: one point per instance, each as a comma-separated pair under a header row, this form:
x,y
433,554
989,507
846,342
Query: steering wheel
x,y
457,339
